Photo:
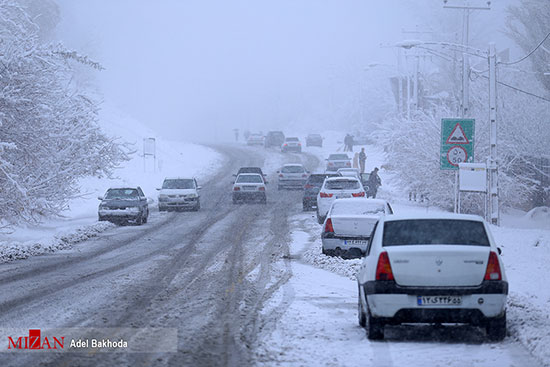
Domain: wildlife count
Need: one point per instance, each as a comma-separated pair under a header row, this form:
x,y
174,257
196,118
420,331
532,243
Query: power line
x,y
520,90
529,54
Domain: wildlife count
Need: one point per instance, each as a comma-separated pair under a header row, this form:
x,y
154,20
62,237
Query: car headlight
x,y
192,196
163,197
133,209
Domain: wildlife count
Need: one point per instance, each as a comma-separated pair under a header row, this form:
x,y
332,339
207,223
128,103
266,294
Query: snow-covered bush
x,y
49,137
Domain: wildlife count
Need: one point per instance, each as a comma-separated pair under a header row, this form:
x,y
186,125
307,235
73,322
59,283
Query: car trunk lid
x,y
353,225
438,265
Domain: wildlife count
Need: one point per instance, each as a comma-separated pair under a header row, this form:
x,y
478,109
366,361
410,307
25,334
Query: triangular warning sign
x,y
457,136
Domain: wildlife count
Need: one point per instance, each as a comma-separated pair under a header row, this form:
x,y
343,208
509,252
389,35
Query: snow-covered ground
x,y
320,326
79,221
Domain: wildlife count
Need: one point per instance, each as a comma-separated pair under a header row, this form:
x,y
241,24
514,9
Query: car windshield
x,y
178,184
292,169
249,179
342,185
338,157
434,232
121,194
357,208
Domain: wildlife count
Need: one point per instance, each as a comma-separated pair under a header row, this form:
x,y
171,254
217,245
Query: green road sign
x,y
457,142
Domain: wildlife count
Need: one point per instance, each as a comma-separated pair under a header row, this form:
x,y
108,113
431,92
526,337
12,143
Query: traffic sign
x,y
457,142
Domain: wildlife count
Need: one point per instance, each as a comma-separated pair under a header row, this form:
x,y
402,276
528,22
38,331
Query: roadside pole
x,y
494,210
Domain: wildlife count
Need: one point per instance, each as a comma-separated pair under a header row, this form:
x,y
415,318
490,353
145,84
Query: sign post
x,y
473,178
457,146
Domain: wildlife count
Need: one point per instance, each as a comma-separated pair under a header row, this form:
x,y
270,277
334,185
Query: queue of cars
x,y
277,139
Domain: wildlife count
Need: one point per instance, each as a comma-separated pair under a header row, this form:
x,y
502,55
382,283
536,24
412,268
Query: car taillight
x,y
304,175
281,175
330,164
261,188
236,188
383,268
286,144
308,186
359,195
300,144
493,268
325,195
348,164
328,226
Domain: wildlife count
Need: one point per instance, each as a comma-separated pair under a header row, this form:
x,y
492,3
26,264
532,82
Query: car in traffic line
x,y
124,204
349,224
257,170
292,176
336,161
337,188
291,144
179,193
348,172
314,140
441,268
311,189
274,139
249,187
255,139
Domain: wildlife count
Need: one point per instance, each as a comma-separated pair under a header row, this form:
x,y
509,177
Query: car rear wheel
x,y
320,219
139,221
375,328
496,328
146,216
361,315
198,206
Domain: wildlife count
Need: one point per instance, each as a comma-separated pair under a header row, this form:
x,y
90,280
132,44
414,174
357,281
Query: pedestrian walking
x,y
374,183
351,143
346,143
362,160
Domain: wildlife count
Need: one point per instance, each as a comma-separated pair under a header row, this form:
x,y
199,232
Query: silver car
x,y
292,176
349,224
336,161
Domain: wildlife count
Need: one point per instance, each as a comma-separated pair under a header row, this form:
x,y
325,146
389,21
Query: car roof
x,y
440,215
357,200
291,137
293,165
123,188
325,174
342,178
179,178
349,169
346,154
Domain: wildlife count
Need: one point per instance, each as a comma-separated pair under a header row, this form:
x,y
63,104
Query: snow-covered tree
x,y
49,136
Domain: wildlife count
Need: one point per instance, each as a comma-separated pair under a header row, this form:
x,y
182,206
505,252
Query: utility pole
x,y
494,209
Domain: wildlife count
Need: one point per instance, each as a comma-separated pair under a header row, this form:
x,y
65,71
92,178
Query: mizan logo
x,y
35,341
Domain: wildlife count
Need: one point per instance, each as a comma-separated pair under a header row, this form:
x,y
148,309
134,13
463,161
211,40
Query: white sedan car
x,y
249,187
441,268
349,224
337,188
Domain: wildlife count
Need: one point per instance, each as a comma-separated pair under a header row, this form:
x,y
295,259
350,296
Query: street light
x,y
491,57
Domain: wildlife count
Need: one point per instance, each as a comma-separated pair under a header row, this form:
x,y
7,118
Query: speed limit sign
x,y
457,155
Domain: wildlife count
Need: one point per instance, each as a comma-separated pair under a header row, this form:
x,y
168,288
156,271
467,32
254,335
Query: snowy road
x,y
233,281
206,274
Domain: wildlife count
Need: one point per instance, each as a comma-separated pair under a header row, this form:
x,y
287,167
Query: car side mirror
x,y
158,189
199,187
499,251
100,198
150,201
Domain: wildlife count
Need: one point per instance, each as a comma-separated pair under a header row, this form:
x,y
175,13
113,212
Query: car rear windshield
x,y
249,179
342,185
318,179
292,139
358,207
293,169
178,184
250,170
338,157
434,232
121,194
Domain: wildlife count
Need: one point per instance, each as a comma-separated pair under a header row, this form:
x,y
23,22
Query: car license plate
x,y
356,242
249,187
439,300
343,196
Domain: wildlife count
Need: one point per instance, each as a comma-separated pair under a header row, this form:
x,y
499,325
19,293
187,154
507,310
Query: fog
x,y
198,69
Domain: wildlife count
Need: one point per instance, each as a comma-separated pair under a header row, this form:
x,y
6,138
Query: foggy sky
x,y
197,69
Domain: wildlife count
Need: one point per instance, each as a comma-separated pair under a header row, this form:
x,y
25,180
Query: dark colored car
x,y
274,139
123,205
311,189
314,140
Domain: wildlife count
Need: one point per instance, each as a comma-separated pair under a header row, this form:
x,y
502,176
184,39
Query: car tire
x,y
362,317
146,216
496,328
101,219
374,328
139,221
162,209
198,206
306,208
320,219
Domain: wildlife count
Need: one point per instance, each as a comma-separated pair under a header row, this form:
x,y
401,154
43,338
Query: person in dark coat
x,y
374,183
